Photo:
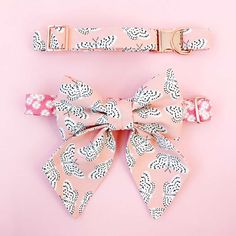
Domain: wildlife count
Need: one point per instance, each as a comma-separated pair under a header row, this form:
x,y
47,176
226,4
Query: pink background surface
x,y
29,206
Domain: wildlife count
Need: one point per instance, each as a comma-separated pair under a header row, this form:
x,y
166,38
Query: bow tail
x,y
157,168
78,167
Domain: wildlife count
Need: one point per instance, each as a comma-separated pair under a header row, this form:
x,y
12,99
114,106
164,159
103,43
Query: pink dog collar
x,y
86,120
126,39
196,109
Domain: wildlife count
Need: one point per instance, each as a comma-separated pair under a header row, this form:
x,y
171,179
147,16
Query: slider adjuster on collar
x,y
54,44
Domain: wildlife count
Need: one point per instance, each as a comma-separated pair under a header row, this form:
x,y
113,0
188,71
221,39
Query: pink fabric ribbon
x,y
88,123
124,39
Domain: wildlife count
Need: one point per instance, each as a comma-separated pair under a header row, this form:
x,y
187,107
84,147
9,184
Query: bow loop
x,y
120,114
116,113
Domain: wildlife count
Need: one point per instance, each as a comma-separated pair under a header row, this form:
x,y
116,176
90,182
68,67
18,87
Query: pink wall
x,y
28,205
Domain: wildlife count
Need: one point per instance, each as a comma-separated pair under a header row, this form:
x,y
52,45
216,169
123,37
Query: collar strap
x,y
196,110
125,39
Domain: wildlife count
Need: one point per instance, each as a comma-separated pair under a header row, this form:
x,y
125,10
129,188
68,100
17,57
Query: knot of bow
x,y
87,121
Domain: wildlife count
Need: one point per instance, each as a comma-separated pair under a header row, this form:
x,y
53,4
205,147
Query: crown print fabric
x,y
153,117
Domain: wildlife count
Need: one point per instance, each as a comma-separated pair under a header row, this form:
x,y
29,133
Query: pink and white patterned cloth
x,y
39,104
197,110
123,39
88,123
43,105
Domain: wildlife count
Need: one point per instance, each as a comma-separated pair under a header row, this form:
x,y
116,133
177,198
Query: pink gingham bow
x,y
87,122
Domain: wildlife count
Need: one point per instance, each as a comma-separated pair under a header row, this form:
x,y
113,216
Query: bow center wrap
x,y
86,121
120,115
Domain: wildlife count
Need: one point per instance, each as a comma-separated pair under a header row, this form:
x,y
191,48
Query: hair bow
x,y
153,118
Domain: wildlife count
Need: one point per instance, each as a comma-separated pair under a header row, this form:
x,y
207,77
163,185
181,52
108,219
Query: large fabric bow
x,y
154,119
